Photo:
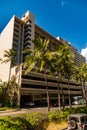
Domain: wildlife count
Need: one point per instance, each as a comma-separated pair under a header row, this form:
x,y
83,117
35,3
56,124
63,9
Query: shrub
x,y
36,121
33,121
54,116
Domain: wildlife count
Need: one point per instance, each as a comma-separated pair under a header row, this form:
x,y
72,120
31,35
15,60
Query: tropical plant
x,y
40,58
3,94
81,77
62,64
0,60
8,86
9,91
55,70
9,56
13,91
69,66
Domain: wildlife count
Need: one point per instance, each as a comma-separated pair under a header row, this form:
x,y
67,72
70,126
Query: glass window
x,y
30,25
30,21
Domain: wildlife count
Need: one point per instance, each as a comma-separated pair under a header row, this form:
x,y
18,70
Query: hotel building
x,y
18,35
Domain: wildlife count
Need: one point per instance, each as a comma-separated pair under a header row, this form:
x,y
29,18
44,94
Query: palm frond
x,y
29,68
46,44
42,65
27,51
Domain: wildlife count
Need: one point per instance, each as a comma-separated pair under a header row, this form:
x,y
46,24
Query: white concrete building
x,y
18,35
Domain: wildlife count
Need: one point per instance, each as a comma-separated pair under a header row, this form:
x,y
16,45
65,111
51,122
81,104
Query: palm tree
x,y
55,70
10,57
13,90
3,95
0,60
39,57
69,67
8,92
81,77
62,63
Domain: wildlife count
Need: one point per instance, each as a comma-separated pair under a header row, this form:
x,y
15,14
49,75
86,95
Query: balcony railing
x,y
42,83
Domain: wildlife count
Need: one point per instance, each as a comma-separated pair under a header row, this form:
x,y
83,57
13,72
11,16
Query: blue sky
x,y
64,18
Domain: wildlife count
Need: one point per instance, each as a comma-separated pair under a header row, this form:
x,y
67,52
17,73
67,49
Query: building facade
x,y
18,35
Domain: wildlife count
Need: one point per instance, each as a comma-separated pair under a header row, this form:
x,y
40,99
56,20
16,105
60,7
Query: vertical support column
x,y
33,97
18,100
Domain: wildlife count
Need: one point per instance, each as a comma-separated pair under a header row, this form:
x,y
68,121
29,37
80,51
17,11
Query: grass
x,y
7,108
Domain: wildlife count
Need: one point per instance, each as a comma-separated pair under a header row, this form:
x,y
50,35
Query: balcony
x,y
50,84
53,80
26,91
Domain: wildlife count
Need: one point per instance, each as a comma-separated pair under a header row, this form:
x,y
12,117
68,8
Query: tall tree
x,y
63,62
56,71
40,58
12,91
0,60
81,77
69,66
9,56
8,92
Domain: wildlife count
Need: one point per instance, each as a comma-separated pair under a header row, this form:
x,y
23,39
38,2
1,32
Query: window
x,y
15,46
29,30
15,41
30,21
29,34
28,39
30,26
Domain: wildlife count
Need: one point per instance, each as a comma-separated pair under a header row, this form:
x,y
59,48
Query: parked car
x,y
30,104
77,122
79,102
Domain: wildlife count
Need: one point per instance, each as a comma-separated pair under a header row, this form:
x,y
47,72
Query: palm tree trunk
x,y
62,94
83,92
59,105
9,73
48,101
69,94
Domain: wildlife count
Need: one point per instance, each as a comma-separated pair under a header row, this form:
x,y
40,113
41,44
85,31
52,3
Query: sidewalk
x,y
13,112
25,110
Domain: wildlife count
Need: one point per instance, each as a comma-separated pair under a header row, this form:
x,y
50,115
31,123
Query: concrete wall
x,y
6,40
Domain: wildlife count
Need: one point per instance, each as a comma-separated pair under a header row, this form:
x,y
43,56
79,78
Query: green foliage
x,y
8,93
13,123
81,109
10,56
62,115
7,108
33,121
54,116
37,121
58,116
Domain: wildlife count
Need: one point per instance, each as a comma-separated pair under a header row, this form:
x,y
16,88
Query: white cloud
x,y
69,42
84,52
